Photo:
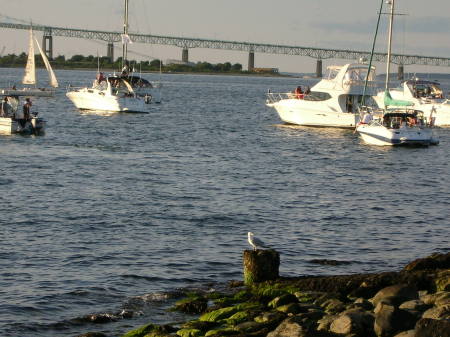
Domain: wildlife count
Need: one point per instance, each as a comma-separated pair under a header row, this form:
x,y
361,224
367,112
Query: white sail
x,y
51,74
30,69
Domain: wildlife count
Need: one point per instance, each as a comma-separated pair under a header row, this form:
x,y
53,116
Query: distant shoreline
x,y
177,72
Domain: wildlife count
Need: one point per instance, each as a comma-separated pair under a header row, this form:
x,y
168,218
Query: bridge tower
x,y
251,60
48,48
110,51
185,55
400,72
319,68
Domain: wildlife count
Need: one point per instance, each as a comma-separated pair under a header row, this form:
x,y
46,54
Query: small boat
x,y
425,95
30,75
332,102
10,125
398,128
117,93
398,123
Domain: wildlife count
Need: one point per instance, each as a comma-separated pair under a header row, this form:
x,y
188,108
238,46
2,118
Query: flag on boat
x,y
126,39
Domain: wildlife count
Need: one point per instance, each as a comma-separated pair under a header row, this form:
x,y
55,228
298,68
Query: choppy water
x,y
106,213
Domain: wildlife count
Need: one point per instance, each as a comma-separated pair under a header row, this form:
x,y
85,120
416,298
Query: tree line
x,y
83,62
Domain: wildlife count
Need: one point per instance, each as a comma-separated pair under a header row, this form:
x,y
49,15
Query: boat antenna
x,y
391,23
371,54
98,63
125,37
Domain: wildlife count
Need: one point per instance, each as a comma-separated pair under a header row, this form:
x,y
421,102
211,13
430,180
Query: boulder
x,y
218,314
415,305
292,327
438,312
390,320
408,333
434,261
397,294
353,322
442,280
427,327
192,305
282,300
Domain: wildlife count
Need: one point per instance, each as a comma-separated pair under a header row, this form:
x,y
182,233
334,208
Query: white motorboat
x,y
114,94
398,123
398,128
426,96
332,102
10,125
30,75
123,93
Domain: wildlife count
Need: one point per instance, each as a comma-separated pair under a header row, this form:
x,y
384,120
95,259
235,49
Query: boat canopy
x,y
389,101
134,81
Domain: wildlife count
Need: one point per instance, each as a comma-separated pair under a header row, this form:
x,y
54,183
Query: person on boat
x,y
27,110
412,121
299,93
367,118
307,91
5,108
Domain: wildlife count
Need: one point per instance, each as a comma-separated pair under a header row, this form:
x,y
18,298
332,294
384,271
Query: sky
x,y
422,29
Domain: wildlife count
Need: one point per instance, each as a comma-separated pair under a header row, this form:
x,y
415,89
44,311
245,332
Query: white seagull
x,y
254,241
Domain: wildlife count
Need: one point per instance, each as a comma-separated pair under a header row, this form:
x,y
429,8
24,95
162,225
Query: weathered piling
x,y
261,265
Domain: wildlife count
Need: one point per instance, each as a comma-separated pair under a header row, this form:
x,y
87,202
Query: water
x,y
106,213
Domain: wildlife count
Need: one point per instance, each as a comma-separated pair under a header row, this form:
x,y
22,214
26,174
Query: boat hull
x,y
292,111
8,126
383,136
88,99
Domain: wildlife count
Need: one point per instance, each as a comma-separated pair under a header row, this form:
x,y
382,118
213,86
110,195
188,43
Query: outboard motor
x,y
147,99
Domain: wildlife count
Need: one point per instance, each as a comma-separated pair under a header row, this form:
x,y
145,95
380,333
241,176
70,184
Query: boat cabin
x,y
424,89
398,119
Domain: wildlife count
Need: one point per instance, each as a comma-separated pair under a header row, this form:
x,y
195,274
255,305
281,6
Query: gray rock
x,y
283,300
441,312
415,305
333,306
397,294
408,333
432,298
292,327
325,322
354,322
390,320
427,327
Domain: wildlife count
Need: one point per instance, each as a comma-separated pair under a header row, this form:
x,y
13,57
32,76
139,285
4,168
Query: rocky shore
x,y
413,302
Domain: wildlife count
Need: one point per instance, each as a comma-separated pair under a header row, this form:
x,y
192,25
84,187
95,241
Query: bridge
x,y
188,43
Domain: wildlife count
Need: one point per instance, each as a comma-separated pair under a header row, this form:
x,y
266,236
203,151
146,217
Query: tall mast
x,y
125,32
391,23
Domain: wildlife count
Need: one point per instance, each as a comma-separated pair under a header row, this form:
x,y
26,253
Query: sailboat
x,y
117,93
30,75
399,123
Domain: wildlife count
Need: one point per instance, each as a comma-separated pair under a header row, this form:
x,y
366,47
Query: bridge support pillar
x,y
48,48
185,55
251,61
110,51
400,72
319,68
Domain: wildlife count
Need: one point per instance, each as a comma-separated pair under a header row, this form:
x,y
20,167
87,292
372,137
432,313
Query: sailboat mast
x,y
125,32
388,63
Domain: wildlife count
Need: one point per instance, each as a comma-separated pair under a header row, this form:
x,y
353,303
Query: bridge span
x,y
187,43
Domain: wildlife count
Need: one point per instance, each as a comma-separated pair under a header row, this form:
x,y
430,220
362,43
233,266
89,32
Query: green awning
x,y
389,101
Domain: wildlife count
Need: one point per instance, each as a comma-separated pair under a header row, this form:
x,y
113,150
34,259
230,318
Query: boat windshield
x,y
427,89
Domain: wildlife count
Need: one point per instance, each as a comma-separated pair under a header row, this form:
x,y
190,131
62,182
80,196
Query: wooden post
x,y
261,265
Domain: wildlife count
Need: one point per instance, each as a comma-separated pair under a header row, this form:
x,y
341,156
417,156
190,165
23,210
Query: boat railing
x,y
273,97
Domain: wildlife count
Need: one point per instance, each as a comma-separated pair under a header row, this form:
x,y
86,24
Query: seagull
x,y
254,241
